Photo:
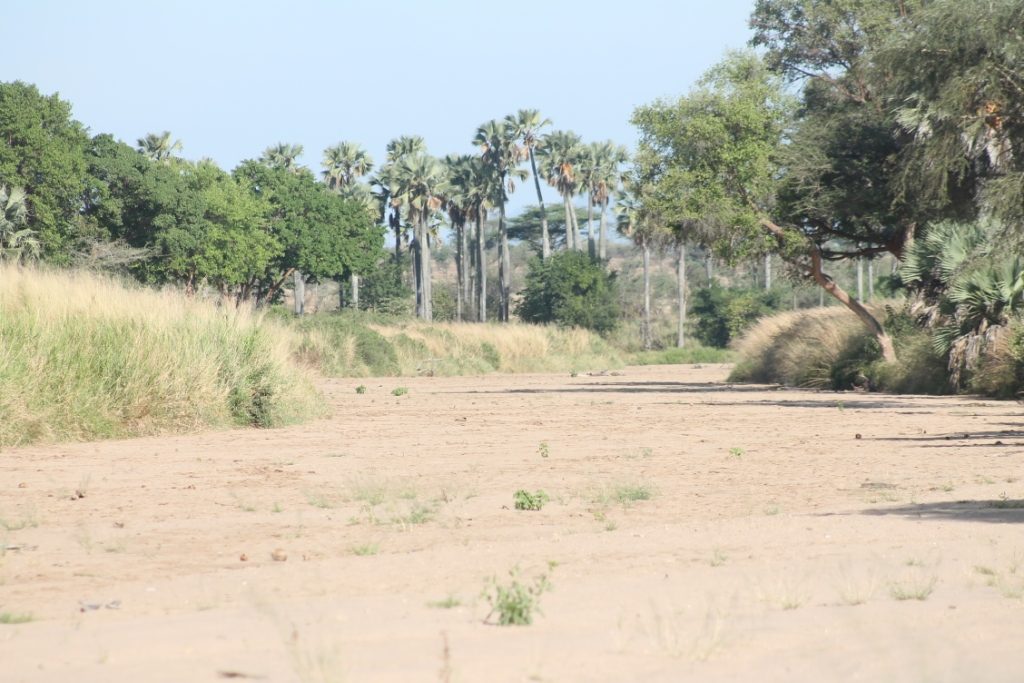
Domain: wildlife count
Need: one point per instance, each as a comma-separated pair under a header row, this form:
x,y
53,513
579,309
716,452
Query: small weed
x,y
772,510
399,391
417,514
27,520
610,525
718,558
276,508
912,590
841,406
543,450
631,493
524,500
449,602
736,452
12,618
319,500
514,603
361,389
366,549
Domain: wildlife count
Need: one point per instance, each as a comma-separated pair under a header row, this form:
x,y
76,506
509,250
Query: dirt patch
x,y
699,531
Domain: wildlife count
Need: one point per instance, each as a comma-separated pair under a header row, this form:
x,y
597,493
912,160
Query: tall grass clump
x,y
354,344
84,357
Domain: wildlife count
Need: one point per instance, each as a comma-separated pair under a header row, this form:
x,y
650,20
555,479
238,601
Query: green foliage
x,y
723,314
515,602
524,500
42,150
382,289
344,345
361,389
690,354
571,289
399,391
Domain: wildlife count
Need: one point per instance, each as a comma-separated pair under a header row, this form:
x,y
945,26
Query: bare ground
x,y
776,543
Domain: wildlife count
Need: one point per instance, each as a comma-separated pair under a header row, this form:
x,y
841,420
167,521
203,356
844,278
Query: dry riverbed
x,y
694,531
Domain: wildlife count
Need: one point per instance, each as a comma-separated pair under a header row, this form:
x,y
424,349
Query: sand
x,y
696,531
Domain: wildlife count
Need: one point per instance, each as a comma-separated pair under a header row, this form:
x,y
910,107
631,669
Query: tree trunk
x,y
504,265
569,243
460,268
300,292
341,294
355,291
767,271
681,295
471,291
576,239
829,285
646,332
481,267
591,242
428,281
417,269
871,279
545,238
860,278
602,245
709,266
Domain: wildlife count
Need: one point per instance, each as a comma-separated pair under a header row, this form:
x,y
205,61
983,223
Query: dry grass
x,y
84,356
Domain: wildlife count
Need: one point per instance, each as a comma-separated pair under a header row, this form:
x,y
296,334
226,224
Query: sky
x,y
231,78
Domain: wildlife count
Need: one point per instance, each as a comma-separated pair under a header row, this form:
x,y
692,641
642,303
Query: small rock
x,y
279,555
243,558
22,485
856,436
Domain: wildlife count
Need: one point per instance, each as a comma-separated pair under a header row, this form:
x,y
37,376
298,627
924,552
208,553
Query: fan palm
x,y
526,124
16,241
283,156
159,147
344,164
420,184
560,155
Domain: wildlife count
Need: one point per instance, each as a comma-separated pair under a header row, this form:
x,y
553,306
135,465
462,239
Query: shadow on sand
x,y
1000,511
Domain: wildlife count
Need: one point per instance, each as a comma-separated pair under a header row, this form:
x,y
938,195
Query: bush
x,y
724,314
383,290
570,289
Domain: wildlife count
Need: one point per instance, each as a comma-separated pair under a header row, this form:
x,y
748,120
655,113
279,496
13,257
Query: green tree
x,y
499,148
17,243
570,289
283,156
159,147
344,165
560,154
42,151
420,184
526,124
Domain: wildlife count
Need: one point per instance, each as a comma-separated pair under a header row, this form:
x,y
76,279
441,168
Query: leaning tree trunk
x,y
299,292
481,268
545,238
591,242
646,332
681,295
829,285
505,265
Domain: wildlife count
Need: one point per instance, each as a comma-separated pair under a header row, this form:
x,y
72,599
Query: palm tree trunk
x,y
591,242
505,265
417,268
460,268
576,239
545,239
602,247
472,294
647,295
481,267
569,244
426,265
681,295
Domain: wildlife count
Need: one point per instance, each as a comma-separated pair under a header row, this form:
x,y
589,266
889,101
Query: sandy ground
x,y
788,536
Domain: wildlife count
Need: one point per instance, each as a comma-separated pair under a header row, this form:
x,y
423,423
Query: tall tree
x,y
159,147
637,222
603,182
560,153
527,124
42,150
420,185
282,155
386,184
499,148
344,165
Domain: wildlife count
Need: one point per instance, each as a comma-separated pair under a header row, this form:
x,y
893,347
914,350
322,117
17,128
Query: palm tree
x,y
604,182
386,181
635,223
159,147
474,185
16,242
420,186
526,124
500,150
283,156
344,164
560,153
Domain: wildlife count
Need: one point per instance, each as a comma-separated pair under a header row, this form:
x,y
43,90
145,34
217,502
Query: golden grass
x,y
84,356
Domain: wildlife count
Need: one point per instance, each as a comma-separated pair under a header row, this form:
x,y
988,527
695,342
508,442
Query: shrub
x,y
515,602
383,290
724,314
524,500
571,289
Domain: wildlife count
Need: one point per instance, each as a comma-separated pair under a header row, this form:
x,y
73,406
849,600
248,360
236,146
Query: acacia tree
x,y
715,157
500,150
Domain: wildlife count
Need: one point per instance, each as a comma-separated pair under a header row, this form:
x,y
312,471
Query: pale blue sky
x,y
231,78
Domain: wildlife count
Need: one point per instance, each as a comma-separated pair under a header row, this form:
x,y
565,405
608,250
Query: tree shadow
x,y
999,511
972,439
